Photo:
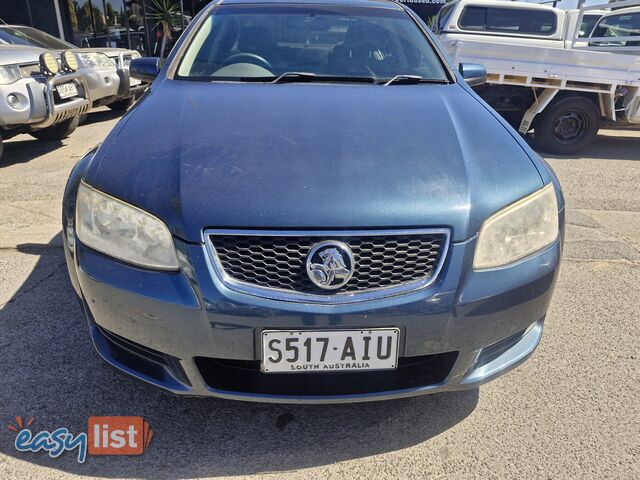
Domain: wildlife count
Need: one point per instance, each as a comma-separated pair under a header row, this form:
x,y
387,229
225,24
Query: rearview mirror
x,y
473,73
145,69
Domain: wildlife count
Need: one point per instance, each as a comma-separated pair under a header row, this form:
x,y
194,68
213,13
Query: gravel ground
x,y
571,411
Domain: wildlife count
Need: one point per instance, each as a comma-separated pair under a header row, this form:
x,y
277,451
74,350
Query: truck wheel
x,y
58,131
121,105
567,125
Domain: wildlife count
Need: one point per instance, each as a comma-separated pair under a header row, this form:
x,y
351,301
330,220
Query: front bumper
x,y
40,107
188,333
110,85
103,83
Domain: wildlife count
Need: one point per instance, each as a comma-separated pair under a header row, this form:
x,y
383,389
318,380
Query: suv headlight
x,y
123,231
9,74
518,230
95,59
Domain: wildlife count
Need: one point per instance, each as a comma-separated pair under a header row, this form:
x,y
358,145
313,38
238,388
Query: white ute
x,y
562,74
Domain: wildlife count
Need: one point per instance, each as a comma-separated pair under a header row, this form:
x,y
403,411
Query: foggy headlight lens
x,y
518,230
49,63
70,60
95,59
87,60
9,74
122,231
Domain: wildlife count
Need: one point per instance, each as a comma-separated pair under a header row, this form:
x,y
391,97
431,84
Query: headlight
x,y
518,230
9,74
86,60
123,231
49,63
95,59
69,60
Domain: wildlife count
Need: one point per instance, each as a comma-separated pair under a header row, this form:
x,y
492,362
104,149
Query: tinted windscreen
x,y
243,42
508,20
33,37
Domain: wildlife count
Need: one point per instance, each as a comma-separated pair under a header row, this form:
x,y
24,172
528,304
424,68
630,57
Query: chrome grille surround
x,y
347,294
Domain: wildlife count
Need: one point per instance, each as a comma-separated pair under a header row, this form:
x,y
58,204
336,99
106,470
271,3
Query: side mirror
x,y
473,73
145,69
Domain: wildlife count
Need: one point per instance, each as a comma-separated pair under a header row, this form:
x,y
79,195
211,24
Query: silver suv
x,y
46,106
106,70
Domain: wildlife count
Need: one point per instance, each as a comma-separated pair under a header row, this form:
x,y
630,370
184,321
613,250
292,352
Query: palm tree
x,y
166,16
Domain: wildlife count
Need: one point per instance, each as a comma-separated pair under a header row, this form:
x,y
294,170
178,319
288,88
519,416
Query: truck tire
x,y
567,125
58,131
1,146
121,105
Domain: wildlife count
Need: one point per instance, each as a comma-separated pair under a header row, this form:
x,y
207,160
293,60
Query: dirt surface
x,y
570,411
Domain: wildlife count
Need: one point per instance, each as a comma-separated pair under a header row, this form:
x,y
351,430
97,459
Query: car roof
x,y
506,4
359,3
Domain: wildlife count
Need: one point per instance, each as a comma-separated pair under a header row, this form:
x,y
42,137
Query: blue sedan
x,y
310,204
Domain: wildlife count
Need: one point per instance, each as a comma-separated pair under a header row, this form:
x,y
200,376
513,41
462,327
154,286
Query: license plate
x,y
67,90
307,351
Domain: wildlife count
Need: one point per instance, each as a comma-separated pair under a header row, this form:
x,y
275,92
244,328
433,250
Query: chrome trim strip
x,y
335,299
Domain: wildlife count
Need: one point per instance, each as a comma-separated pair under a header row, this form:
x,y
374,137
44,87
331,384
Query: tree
x,y
166,16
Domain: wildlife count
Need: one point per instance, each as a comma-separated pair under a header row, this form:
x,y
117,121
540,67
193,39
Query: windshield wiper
x,y
312,77
410,80
294,77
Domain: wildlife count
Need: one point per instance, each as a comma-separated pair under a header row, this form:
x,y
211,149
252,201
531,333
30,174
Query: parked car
x,y
514,22
311,205
563,83
106,70
45,104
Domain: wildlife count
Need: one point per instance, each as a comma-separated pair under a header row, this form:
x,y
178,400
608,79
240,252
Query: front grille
x,y
244,376
279,262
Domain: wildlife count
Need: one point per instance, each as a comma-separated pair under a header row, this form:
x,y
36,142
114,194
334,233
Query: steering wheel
x,y
248,58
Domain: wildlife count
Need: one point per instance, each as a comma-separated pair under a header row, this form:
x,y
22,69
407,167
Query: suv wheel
x,y
58,131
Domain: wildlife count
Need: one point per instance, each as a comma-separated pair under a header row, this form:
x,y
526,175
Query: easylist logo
x,y
105,436
118,435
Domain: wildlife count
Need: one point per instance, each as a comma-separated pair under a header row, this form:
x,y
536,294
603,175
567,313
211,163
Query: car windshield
x,y
31,36
263,42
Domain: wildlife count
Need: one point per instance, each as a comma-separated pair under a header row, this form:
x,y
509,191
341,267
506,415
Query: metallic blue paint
x,y
202,155
313,156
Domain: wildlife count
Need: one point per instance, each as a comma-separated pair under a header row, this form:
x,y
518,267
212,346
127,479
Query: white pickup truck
x,y
562,74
